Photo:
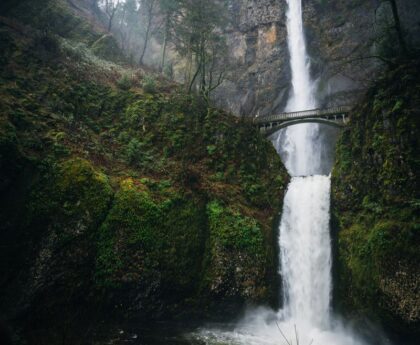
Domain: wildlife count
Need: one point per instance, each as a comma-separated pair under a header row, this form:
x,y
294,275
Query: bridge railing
x,y
303,114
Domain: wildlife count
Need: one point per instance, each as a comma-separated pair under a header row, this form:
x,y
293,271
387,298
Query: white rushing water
x,y
302,156
304,236
302,97
305,248
306,251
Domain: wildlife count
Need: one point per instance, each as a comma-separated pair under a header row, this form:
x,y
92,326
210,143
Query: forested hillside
x,y
121,194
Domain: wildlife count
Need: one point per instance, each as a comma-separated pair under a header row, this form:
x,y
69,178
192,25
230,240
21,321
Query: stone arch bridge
x,y
336,117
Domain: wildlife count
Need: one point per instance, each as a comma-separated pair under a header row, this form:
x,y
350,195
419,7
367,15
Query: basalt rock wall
x,y
342,40
258,81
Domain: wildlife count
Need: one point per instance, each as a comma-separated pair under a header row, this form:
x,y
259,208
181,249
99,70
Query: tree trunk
x,y
165,43
188,69
146,42
398,27
195,76
110,22
149,26
112,14
203,67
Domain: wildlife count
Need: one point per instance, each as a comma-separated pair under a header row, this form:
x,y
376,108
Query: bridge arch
x,y
335,117
275,128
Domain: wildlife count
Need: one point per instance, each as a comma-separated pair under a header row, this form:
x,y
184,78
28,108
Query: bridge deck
x,y
314,113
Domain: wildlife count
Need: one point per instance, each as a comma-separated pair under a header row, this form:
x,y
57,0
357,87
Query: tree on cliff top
x,y
199,39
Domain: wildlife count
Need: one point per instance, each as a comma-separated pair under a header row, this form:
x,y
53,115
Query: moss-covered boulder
x,y
72,195
150,248
240,260
379,258
376,203
159,248
64,209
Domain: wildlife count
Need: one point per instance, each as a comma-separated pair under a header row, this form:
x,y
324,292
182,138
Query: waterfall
x,y
305,251
304,234
305,248
302,97
302,156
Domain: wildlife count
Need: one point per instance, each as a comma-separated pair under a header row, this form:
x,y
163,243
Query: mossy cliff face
x,y
236,248
121,199
376,202
150,247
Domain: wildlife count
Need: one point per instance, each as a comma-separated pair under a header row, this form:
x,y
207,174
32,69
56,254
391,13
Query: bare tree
x,y
110,9
201,41
147,10
170,10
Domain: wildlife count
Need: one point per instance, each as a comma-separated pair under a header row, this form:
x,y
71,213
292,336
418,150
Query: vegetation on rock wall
x,y
236,247
376,201
150,247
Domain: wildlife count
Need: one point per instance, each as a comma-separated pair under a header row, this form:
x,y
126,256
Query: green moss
x,y
71,193
142,235
233,231
370,256
238,260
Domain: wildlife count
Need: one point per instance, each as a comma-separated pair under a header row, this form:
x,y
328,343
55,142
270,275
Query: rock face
x,y
337,33
260,74
340,35
343,39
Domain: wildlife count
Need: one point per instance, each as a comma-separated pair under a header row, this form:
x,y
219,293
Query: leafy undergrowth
x,y
120,191
376,202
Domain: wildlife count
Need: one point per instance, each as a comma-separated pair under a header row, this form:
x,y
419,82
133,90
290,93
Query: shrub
x,y
234,231
46,46
124,83
149,84
133,151
107,48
